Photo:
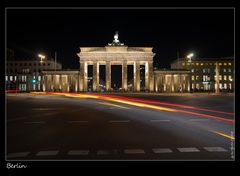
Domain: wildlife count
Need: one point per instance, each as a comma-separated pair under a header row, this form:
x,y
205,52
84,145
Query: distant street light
x,y
41,57
190,56
190,60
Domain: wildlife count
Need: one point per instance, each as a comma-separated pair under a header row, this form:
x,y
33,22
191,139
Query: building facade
x,y
170,81
208,74
25,75
116,53
196,75
60,81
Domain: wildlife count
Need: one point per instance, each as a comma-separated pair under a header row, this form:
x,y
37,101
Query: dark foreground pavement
x,y
59,127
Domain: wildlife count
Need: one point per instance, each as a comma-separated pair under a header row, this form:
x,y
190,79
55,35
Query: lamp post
x,y
41,57
190,60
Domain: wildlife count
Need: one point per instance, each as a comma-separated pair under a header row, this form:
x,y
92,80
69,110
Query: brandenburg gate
x,y
116,53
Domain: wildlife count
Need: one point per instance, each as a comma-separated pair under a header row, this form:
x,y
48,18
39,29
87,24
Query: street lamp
x,y
41,57
190,60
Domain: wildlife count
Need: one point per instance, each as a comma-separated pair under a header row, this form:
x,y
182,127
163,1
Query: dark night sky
x,y
207,33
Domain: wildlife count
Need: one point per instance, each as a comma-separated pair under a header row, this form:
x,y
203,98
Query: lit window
x,y
229,63
220,77
229,70
230,78
225,63
15,78
225,77
188,63
6,78
220,86
204,78
197,77
24,78
11,78
224,70
192,77
230,86
204,70
183,64
197,63
192,70
201,64
192,63
39,78
225,85
197,86
220,64
210,63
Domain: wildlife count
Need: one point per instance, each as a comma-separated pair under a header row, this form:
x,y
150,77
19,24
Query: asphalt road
x,y
119,127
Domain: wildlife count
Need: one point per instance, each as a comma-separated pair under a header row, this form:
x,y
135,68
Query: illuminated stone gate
x,y
116,53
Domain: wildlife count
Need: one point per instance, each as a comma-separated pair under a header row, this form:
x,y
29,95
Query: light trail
x,y
128,101
171,104
114,105
169,109
138,104
222,134
207,116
